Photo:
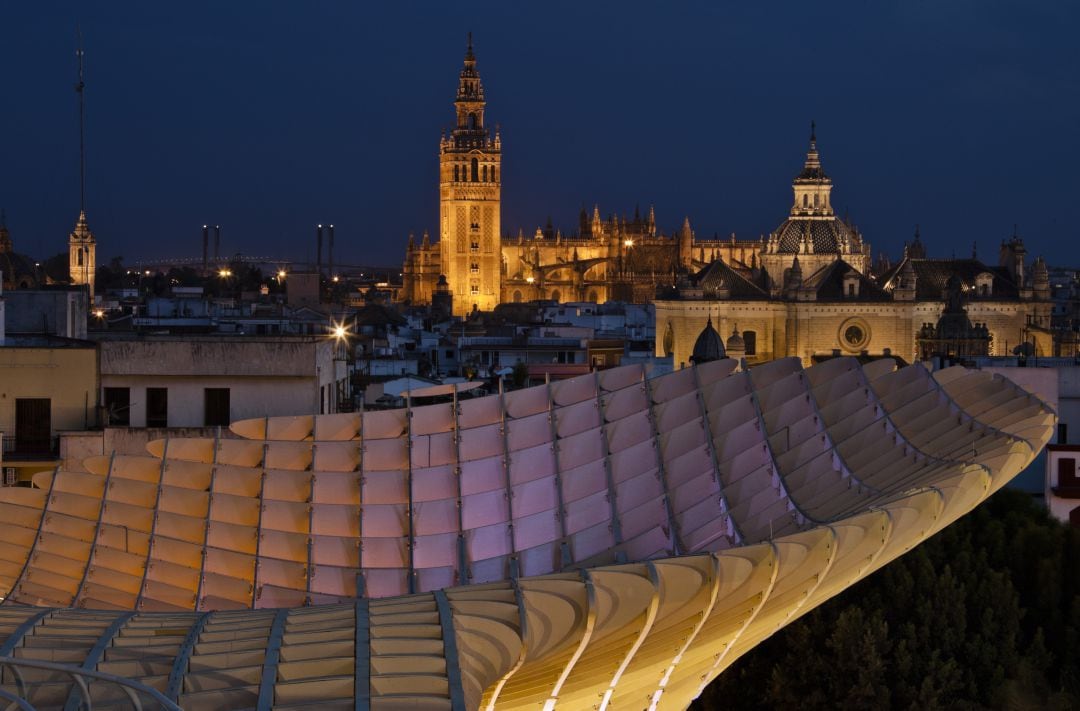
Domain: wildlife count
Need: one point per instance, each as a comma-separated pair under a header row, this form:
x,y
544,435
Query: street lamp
x,y
281,275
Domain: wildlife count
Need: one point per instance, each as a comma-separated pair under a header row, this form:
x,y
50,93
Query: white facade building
x,y
211,380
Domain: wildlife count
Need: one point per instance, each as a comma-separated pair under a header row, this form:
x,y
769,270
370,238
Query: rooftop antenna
x,y
82,122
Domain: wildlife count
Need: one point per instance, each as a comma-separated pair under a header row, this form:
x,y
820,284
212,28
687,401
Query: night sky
x,y
270,117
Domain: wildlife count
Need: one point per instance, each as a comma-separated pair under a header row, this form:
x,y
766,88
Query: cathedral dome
x,y
708,346
828,236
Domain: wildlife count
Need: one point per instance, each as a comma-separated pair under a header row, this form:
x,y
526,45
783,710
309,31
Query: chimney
x,y
318,250
205,244
331,251
217,242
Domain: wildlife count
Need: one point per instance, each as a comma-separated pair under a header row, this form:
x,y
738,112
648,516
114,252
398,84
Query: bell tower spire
x,y
470,193
812,187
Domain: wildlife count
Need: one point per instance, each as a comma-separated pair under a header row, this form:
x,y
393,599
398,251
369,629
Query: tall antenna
x,y
82,123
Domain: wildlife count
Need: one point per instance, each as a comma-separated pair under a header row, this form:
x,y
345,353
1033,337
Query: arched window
x,y
593,297
472,122
483,173
493,178
457,175
517,297
80,256
815,200
556,296
806,201
475,171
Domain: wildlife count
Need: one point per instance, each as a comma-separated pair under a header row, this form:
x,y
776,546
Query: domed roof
x,y
826,235
708,346
735,342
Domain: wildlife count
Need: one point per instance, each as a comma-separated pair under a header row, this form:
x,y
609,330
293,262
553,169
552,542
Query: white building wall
x,y
248,396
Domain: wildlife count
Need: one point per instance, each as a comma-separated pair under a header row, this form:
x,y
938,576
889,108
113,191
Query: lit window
x,y
475,289
474,268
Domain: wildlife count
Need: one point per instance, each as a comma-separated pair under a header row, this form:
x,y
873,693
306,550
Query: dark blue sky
x,y
269,117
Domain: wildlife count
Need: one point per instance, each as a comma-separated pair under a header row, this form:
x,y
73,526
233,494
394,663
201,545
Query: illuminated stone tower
x,y
470,173
82,254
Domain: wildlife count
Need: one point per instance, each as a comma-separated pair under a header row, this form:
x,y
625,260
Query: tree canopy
x,y
985,615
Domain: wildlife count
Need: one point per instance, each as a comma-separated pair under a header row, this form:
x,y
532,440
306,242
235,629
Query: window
x,y
457,174
1063,433
474,289
216,407
474,246
851,288
517,297
474,268
750,341
157,407
483,173
33,425
450,354
117,407
1067,478
80,256
475,171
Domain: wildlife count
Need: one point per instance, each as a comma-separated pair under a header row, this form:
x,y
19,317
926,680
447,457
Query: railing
x,y
80,679
38,448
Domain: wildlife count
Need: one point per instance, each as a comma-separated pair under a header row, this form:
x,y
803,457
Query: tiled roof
x,y
828,283
932,274
825,235
718,275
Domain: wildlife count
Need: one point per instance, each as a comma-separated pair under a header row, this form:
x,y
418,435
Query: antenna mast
x,y
82,123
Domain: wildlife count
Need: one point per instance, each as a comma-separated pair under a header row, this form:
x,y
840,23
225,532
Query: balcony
x,y
30,450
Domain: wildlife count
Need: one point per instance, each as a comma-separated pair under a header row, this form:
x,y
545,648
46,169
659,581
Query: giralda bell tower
x,y
470,173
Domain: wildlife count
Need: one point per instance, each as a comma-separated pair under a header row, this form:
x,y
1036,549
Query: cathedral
x,y
809,289
613,258
816,294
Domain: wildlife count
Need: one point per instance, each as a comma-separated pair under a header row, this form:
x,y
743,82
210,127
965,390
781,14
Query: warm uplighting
x,y
628,243
530,280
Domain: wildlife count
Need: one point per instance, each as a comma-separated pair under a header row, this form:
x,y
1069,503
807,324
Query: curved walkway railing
x,y
80,679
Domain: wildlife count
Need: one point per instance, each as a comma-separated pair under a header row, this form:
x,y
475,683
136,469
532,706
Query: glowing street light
x,y
530,280
224,273
281,274
628,243
99,313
